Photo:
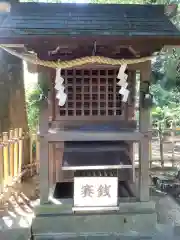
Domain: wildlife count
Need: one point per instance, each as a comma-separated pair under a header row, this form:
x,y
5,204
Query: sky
x,y
30,79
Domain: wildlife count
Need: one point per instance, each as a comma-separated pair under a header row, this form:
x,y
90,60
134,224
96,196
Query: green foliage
x,y
167,107
33,101
166,84
34,98
166,87
132,1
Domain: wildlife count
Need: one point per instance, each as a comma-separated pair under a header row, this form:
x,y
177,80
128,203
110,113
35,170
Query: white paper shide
x,y
122,76
61,95
95,191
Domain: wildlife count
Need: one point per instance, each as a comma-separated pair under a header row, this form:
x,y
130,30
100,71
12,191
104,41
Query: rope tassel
x,y
61,95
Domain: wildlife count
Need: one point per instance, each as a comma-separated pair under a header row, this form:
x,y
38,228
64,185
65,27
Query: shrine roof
x,y
60,19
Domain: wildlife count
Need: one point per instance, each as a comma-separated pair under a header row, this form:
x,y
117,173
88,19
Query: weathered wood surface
x,y
58,136
12,96
144,153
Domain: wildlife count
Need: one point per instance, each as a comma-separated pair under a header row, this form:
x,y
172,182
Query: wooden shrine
x,y
87,127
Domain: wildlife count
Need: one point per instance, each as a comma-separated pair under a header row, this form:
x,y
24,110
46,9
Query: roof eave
x,y
36,40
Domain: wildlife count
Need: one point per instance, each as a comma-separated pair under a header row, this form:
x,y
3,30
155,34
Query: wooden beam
x,y
75,121
82,46
49,51
134,52
80,53
144,119
55,136
58,40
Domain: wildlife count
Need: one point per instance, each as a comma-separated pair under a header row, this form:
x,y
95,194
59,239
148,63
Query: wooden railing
x,y
164,148
13,158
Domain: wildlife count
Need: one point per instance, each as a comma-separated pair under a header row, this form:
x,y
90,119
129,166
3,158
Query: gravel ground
x,y
18,211
168,210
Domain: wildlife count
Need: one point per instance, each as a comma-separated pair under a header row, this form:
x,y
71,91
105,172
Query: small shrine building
x,y
90,56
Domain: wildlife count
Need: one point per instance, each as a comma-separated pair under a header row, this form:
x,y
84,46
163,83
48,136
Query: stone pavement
x,y
165,232
15,221
15,234
17,227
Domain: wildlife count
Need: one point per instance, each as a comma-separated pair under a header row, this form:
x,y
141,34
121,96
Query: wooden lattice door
x,y
91,92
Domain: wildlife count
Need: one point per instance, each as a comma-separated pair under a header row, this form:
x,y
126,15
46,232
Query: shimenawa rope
x,y
75,62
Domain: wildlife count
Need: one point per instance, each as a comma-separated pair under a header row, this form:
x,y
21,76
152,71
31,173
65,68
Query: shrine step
x,y
110,237
15,234
143,220
158,236
162,232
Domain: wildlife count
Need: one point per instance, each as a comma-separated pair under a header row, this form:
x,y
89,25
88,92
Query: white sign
x,y
95,191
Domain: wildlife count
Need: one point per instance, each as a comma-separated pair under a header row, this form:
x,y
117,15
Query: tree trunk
x,y
18,116
4,92
12,97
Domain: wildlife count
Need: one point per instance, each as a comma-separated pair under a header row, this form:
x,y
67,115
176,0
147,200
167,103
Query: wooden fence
x,y
164,148
13,147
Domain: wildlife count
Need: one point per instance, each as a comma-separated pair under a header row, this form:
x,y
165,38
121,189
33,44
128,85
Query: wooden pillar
x,y
131,116
144,124
53,93
43,155
43,143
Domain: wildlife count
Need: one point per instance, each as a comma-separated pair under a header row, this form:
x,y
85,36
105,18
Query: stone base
x,y
132,218
16,234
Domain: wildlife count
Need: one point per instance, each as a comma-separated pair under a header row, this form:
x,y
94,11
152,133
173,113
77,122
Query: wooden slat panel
x,y
1,167
16,153
20,131
11,153
82,93
6,159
